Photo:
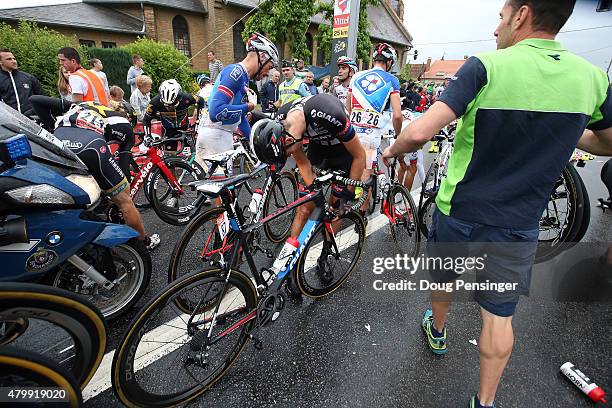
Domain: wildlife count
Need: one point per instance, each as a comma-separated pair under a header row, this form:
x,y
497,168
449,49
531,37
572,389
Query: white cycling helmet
x,y
385,52
169,91
261,44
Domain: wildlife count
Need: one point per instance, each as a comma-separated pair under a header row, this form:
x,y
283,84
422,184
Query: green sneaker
x,y
436,344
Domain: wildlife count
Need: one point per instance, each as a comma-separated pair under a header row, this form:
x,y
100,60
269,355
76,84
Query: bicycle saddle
x,y
213,188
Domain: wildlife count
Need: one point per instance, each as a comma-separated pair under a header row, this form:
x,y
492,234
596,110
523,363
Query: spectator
x,y
499,123
269,93
300,69
292,87
84,84
214,66
117,94
335,83
141,96
16,86
97,68
135,71
309,81
324,87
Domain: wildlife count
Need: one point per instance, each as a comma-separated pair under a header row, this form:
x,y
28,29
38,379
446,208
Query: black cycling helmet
x,y
268,142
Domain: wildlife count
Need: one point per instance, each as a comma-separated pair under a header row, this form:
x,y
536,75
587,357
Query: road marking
x,y
101,380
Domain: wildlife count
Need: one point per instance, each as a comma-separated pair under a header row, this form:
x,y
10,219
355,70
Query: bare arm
x,y
597,142
421,130
76,98
349,98
396,116
355,148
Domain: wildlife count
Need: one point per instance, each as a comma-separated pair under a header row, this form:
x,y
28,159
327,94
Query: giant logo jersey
x,y
371,91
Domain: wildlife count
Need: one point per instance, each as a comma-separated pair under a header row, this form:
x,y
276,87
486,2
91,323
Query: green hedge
x,y
162,61
35,49
116,63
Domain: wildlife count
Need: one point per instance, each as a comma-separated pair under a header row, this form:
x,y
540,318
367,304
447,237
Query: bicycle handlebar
x,y
325,177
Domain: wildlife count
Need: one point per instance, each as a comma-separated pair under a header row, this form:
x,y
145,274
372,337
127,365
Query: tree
x,y
364,43
283,20
35,49
163,61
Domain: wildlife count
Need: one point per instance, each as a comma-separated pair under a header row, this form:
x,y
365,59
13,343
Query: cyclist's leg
x,y
212,141
370,140
128,209
411,171
48,108
122,133
303,163
606,177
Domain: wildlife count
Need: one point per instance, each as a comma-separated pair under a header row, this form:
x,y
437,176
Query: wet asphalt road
x,y
350,350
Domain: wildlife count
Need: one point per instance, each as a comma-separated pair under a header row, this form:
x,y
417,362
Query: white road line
x,y
101,380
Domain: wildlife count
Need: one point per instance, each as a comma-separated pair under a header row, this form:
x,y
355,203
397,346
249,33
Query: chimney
x,y
465,57
428,64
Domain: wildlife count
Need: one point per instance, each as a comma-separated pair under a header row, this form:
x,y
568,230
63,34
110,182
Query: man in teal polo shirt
x,y
523,110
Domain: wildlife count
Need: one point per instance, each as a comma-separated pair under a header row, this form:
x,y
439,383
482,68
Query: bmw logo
x,y
54,238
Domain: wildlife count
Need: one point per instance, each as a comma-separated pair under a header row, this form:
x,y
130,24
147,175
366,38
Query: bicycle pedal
x,y
257,343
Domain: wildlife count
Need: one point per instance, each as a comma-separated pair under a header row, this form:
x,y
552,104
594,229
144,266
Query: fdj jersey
x,y
327,121
371,91
227,104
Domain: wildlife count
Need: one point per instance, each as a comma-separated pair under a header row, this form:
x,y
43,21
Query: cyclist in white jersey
x,y
347,67
373,101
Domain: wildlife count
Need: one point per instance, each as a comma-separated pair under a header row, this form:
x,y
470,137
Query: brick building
x,y
189,24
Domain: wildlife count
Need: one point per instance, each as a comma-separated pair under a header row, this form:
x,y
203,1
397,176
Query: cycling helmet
x,y
169,91
385,52
202,79
260,44
268,142
349,62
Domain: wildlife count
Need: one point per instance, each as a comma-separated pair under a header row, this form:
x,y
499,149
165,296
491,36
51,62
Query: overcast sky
x,y
444,21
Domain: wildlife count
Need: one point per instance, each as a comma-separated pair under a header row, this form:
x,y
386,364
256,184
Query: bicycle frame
x,y
153,160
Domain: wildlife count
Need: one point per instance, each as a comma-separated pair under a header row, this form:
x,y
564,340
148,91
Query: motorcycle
x,y
49,232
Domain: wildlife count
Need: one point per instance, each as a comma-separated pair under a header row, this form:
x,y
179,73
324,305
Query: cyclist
x,y
373,101
347,67
85,129
292,88
231,99
206,87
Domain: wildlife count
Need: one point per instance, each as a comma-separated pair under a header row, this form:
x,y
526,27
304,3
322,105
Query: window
x,y
239,50
181,35
310,47
320,56
87,43
106,44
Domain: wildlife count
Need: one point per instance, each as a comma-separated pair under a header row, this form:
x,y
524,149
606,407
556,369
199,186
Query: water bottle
x,y
255,201
285,254
584,383
381,181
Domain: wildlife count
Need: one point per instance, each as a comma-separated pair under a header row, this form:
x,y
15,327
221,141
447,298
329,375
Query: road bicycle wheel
x,y
375,193
178,205
283,192
586,214
426,215
132,262
200,245
242,165
61,325
21,369
329,258
162,360
562,218
404,222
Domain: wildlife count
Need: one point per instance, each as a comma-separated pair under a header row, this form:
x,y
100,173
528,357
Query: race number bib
x,y
223,225
365,118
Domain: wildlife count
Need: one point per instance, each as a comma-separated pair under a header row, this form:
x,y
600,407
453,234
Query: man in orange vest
x,y
86,86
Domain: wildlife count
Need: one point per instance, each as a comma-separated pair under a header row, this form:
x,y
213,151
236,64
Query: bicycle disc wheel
x,y
19,369
178,205
404,223
330,258
184,360
284,191
61,325
426,215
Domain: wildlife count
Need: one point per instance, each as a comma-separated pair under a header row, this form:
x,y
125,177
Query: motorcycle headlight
x,y
87,184
40,194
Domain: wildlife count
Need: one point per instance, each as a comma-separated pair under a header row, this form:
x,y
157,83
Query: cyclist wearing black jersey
x,y
323,120
85,129
171,107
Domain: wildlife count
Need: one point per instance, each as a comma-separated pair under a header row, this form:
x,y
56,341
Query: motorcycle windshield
x,y
45,146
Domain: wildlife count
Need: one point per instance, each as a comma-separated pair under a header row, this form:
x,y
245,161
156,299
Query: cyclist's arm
x,y
396,113
355,148
220,106
150,113
349,101
302,163
598,142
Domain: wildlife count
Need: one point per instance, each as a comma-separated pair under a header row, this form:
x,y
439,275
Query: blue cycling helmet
x,y
202,79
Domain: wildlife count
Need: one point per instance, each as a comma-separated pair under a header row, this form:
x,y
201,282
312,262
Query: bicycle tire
x,y
549,248
68,277
242,165
586,214
356,226
400,225
279,200
375,194
19,369
124,366
425,213
179,255
73,314
170,215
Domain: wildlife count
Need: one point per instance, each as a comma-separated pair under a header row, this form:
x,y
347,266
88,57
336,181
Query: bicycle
x,y
207,238
69,330
221,307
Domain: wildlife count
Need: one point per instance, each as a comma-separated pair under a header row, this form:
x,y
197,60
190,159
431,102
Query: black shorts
x,y
95,153
330,157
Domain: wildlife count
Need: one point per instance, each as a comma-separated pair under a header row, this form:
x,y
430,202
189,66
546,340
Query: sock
x,y
436,333
479,405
